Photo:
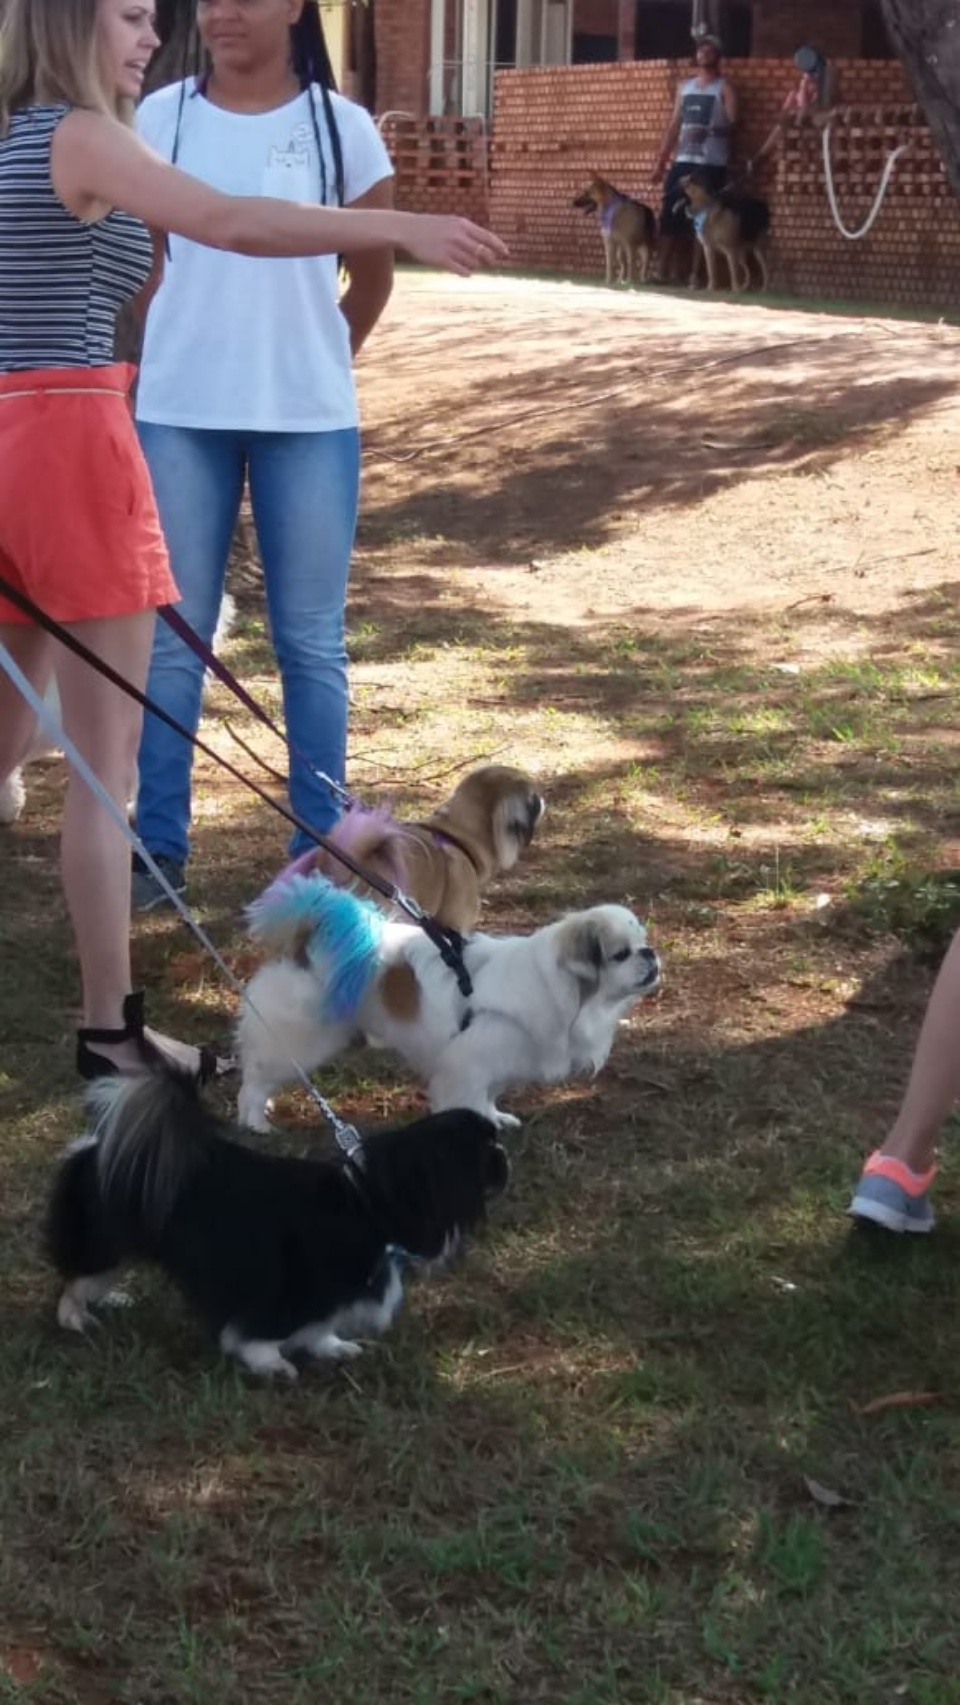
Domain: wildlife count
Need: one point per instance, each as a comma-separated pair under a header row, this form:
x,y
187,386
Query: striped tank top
x,y
62,282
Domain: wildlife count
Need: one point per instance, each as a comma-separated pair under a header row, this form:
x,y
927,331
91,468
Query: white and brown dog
x,y
543,1007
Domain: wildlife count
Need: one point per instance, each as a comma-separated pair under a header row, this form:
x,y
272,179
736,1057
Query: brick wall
x,y
597,17
442,165
402,37
402,31
554,126
779,26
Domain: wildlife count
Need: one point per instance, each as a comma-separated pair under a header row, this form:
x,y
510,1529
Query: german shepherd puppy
x,y
628,229
728,224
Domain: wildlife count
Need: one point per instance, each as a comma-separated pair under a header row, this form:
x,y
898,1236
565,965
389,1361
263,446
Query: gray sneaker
x,y
891,1196
146,894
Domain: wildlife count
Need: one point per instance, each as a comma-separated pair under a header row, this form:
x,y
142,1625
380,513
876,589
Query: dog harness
x,y
609,213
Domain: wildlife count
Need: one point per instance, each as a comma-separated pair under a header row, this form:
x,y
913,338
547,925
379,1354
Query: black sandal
x,y
92,1065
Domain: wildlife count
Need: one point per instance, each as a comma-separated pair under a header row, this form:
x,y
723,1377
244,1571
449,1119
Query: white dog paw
x,y
506,1121
266,1364
253,1117
330,1348
74,1316
262,1356
347,1350
13,797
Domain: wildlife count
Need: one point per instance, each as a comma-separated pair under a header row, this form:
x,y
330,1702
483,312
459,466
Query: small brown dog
x,y
446,862
628,229
728,224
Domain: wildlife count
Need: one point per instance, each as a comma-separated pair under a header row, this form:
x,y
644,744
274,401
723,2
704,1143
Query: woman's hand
x,y
455,244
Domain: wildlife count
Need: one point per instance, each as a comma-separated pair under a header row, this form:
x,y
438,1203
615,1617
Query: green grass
x,y
576,1473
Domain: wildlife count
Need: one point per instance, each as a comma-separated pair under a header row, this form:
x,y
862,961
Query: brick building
x,y
503,108
441,56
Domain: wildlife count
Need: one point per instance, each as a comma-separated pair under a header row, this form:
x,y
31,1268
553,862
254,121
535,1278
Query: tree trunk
x,y
926,35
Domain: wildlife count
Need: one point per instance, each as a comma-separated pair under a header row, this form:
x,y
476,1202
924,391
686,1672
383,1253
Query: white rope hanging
x,y
873,215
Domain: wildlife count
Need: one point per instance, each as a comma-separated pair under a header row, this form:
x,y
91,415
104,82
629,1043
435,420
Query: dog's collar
x,y
442,835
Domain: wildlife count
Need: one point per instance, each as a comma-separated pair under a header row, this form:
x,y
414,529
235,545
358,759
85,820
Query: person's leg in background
x,y
892,1191
197,478
33,651
305,490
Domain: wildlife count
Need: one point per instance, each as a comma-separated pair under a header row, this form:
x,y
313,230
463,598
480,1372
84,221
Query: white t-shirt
x,y
238,342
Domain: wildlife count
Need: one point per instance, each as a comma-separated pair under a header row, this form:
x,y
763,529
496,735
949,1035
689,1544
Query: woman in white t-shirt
x,y
247,372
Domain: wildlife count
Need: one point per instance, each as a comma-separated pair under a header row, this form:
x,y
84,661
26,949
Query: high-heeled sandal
x,y
92,1065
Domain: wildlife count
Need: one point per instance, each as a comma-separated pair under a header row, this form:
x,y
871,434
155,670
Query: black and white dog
x,y
278,1256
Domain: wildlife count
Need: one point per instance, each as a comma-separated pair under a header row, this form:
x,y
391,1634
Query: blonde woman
x,y
79,533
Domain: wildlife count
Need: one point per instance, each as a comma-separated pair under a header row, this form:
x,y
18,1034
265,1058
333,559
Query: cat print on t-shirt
x,y
292,172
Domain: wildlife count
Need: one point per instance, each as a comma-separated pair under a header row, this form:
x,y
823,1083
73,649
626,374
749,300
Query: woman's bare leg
x,y
104,724
934,1084
893,1186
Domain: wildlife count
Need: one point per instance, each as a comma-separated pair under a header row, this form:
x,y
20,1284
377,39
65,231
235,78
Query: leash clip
x,y
349,1140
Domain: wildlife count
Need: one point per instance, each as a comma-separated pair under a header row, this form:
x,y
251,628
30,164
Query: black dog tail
x,y
151,1133
754,216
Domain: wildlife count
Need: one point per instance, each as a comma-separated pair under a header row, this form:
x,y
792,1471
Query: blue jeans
x,y
304,489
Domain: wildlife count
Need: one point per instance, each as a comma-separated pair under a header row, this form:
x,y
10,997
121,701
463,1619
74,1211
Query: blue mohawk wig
x,y
339,933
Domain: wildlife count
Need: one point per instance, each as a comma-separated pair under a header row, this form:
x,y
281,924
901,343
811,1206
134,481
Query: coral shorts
x,y
79,529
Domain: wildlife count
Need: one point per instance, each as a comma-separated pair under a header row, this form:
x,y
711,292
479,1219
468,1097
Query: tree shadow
x,y
606,442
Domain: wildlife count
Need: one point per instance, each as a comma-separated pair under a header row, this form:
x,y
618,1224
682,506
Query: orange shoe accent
x,y
888,1166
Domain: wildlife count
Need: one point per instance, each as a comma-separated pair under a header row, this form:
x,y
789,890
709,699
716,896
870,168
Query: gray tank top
x,y
704,127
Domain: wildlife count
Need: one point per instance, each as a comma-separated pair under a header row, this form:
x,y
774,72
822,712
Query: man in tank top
x,y
699,134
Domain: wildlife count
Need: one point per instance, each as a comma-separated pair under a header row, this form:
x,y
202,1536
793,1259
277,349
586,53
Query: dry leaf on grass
x,y
900,1400
21,1665
825,1496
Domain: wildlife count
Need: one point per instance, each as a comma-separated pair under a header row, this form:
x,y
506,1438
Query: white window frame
x,y
544,37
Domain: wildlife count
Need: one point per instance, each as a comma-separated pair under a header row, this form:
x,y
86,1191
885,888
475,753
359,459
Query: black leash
x,y
448,942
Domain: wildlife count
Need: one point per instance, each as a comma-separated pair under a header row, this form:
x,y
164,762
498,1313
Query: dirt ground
x,y
700,456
